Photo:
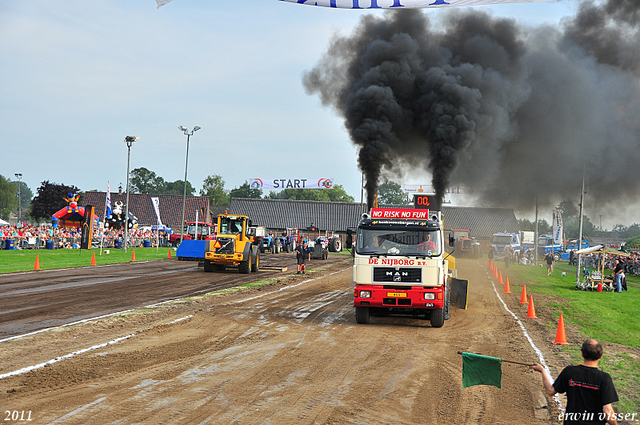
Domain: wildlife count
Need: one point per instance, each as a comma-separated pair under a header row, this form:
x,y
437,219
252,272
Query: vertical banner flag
x,y
558,231
87,227
481,370
108,210
156,206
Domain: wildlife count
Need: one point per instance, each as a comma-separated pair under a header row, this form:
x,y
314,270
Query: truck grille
x,y
399,274
227,246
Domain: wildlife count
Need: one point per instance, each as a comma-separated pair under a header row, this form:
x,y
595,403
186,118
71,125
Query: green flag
x,y
481,370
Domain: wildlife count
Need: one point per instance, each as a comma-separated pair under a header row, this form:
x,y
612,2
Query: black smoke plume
x,y
485,103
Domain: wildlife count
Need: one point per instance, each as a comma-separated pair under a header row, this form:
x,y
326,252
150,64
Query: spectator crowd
x,y
45,236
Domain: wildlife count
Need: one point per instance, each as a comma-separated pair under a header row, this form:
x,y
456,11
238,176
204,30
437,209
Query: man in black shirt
x,y
590,391
618,274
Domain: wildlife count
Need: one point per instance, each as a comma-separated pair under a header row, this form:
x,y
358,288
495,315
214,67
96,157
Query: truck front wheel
x,y
437,318
208,267
556,256
362,315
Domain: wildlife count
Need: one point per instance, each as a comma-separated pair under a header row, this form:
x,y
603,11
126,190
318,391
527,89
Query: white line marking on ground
x,y
556,397
289,287
78,410
76,353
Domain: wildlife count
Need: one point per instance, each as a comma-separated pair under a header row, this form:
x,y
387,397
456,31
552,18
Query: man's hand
x,y
546,380
537,367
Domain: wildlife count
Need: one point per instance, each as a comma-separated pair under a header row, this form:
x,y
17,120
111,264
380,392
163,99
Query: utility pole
x,y
580,235
535,242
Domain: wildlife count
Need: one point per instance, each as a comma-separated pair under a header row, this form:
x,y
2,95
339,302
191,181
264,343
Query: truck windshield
x,y
230,226
203,230
398,242
501,239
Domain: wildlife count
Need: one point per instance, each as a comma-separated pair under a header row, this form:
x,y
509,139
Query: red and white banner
x,y
321,183
398,213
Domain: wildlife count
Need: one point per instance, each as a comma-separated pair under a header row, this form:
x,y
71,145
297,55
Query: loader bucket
x,y
459,293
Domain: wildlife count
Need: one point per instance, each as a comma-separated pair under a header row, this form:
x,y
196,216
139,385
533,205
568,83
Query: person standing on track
x,y
550,261
302,252
590,391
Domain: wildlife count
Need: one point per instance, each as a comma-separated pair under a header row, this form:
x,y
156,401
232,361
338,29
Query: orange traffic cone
x,y
36,266
531,313
93,259
500,278
133,256
169,254
507,289
523,297
561,337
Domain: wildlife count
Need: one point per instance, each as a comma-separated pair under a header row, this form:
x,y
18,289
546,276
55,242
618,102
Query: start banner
x,y
321,183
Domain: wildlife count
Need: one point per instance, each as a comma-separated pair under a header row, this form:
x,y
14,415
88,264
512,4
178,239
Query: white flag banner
x,y
321,183
162,2
156,206
404,4
558,236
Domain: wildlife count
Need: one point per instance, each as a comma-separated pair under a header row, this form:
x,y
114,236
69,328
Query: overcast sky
x,y
78,76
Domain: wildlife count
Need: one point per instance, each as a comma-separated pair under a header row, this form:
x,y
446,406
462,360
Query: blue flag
x,y
108,214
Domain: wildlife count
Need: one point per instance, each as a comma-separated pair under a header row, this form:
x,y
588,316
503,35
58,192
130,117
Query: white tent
x,y
3,223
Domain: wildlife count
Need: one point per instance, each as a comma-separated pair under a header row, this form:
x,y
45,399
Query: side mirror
x,y
452,240
251,232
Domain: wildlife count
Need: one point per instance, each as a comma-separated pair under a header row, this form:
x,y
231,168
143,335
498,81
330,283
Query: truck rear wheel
x,y
362,315
437,318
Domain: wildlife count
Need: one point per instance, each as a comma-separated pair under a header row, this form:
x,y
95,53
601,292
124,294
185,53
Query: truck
x,y
235,244
466,245
560,251
400,266
193,231
521,243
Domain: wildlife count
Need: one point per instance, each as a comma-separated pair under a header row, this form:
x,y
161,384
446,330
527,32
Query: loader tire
x,y
362,315
255,261
245,266
208,267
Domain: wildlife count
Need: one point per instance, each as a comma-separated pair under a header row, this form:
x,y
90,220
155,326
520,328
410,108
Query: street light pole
x,y
129,141
186,161
19,177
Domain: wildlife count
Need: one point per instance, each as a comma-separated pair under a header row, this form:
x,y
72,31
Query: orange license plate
x,y
397,294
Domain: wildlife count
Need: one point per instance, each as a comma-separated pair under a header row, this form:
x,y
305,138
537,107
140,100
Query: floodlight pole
x,y
579,247
129,141
186,162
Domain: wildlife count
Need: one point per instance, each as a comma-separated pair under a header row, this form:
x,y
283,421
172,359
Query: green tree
x,y
213,187
8,197
177,188
50,199
143,180
337,194
391,193
568,209
245,191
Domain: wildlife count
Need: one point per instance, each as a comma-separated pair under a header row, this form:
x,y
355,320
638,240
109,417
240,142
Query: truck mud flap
x,y
459,292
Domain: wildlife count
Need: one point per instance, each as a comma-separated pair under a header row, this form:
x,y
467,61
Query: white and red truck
x,y
400,266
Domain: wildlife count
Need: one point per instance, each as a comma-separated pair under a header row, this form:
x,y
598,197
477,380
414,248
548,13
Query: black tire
x,y
255,261
208,267
362,315
335,245
245,266
556,256
437,318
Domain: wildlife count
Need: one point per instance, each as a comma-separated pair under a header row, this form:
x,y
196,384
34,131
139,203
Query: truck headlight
x,y
365,294
429,296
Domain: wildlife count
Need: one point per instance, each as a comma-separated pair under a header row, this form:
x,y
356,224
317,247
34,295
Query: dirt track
x,y
288,353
